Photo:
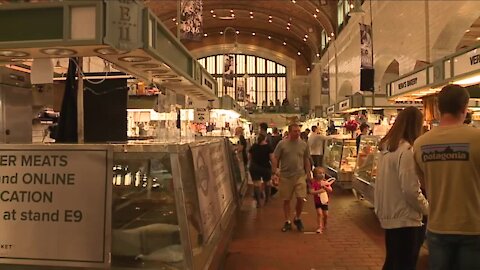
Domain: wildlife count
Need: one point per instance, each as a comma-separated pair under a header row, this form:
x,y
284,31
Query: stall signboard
x,y
409,83
214,183
202,115
123,24
331,109
344,105
467,62
55,205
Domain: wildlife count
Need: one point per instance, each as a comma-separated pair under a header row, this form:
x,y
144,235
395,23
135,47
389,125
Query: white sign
x,y
213,180
55,205
202,115
409,83
331,109
467,62
123,24
344,105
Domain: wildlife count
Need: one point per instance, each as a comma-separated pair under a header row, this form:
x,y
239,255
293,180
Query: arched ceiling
x,y
281,25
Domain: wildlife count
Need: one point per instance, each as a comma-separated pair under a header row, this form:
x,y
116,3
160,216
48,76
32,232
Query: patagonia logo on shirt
x,y
446,152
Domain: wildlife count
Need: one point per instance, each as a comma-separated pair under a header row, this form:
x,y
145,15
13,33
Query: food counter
x,y
366,168
340,159
172,205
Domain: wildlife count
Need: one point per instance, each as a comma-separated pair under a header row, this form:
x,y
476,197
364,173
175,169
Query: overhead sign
x,y
331,109
412,82
467,62
123,24
55,205
202,115
344,105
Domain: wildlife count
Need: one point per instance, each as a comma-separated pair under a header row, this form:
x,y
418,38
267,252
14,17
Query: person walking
x,y
363,132
316,143
319,189
293,157
261,155
275,138
399,202
448,164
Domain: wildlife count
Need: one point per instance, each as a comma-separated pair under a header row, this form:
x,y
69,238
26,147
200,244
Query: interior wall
x,y
408,31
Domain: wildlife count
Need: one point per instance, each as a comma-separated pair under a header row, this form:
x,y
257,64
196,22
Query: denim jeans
x,y
453,252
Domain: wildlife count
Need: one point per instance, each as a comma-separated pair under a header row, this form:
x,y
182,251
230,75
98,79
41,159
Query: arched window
x,y
266,80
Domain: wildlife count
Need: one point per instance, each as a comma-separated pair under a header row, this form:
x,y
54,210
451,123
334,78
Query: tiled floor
x,y
353,241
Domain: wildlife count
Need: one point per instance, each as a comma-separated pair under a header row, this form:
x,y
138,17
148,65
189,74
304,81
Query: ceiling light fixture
x,y
251,12
332,34
284,43
270,21
299,53
269,37
468,30
304,39
270,17
231,10
221,32
211,11
145,65
251,17
237,32
308,69
317,10
134,59
233,15
306,36
318,55
109,51
478,38
253,34
58,51
214,16
8,53
174,19
315,15
288,27
293,1
205,35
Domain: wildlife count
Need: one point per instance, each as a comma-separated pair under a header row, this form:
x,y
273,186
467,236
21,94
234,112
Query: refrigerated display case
x,y
340,159
172,205
366,168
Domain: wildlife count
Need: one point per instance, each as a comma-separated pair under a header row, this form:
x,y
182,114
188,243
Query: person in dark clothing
x,y
363,131
261,155
242,144
275,138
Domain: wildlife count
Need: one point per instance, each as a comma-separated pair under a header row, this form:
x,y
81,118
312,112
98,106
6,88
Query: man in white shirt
x,y
316,141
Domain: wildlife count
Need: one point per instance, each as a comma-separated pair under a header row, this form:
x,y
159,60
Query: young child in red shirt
x,y
319,189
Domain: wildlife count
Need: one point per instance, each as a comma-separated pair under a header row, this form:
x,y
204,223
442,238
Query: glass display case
x,y
340,155
173,206
340,159
366,168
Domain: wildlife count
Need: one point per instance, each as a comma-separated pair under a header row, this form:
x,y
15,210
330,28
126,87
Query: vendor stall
x,y
459,68
366,168
129,205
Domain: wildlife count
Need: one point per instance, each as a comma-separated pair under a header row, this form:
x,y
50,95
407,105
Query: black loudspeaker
x,y
367,77
105,106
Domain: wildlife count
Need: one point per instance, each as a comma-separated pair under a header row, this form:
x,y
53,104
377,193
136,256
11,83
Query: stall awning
x,y
125,33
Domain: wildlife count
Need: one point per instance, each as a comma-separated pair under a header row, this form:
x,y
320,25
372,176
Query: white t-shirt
x,y
315,143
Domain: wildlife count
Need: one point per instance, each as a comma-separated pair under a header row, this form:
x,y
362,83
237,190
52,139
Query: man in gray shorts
x,y
294,158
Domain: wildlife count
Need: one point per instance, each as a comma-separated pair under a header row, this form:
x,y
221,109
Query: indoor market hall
x,y
239,135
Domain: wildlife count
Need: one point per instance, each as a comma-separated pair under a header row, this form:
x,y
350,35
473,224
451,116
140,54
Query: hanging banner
x,y
228,70
325,82
191,19
240,87
366,46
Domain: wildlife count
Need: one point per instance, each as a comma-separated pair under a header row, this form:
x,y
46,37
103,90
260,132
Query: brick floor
x,y
353,241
